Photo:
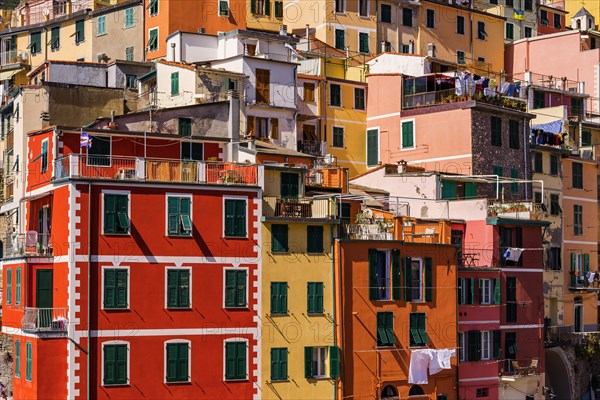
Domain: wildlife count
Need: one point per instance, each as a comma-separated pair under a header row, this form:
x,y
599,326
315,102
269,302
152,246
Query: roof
x,y
177,64
270,148
582,13
48,62
320,48
360,189
259,35
115,7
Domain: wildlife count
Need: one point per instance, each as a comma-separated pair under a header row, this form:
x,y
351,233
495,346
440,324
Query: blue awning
x,y
552,127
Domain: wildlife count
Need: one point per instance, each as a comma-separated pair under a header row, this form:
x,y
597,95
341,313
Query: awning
x,y
4,75
552,127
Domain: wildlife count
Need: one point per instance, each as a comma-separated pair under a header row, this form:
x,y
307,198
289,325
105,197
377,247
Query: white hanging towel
x,y
513,254
590,277
441,360
417,371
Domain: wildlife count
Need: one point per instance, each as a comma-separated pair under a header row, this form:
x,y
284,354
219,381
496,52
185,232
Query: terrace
x,y
38,320
303,208
30,244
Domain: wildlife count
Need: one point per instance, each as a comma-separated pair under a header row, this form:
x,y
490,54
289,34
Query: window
x,y
130,81
554,205
191,151
408,134
538,162
263,86
223,8
407,16
8,286
592,43
116,288
178,288
338,137
372,147
35,42
510,31
557,24
279,292
577,171
511,299
553,165
363,42
340,6
179,216
315,362
385,329
178,356
537,197
460,25
554,260
279,9
101,25
309,92
386,13
380,276
544,17
115,364
184,128
44,155
153,7
528,32
315,298
363,8
279,364
539,100
482,392
460,57
580,266
481,34
235,218
129,53
513,134
430,18
340,39
577,220
496,125
174,83
486,345
418,332
466,291
359,99
18,286
497,170
235,360
129,21
514,174
314,239
153,39
55,38
528,5
28,361
116,213
462,343
79,31
335,95
260,7
235,288
17,358
509,3
414,276
586,138
279,238
485,291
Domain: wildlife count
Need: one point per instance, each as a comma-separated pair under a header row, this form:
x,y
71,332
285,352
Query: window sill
x,y
315,314
237,380
117,234
188,382
386,347
128,27
180,236
408,148
236,307
110,385
279,380
287,314
315,253
235,237
56,49
416,347
101,34
186,308
280,252
320,378
115,309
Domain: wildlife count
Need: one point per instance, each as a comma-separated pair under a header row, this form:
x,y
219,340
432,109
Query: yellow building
x,y
332,95
299,359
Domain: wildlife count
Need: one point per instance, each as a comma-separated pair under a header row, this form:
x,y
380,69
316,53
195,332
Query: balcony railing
x,y
378,229
520,367
45,320
302,208
275,57
76,166
31,244
314,148
515,210
436,97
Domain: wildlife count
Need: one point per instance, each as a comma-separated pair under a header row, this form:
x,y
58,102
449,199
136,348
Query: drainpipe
x,y
398,27
89,262
526,170
339,379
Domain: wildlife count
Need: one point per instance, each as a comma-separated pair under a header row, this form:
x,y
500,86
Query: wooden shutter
x,y
415,338
275,365
267,7
497,344
275,298
407,134
122,202
44,155
18,358
372,147
172,283
230,360
311,298
253,6
470,190
263,85
182,362
110,355
121,292
28,361
319,297
573,269
8,286
460,290
241,360
240,288
448,190
240,218
389,328
110,213
185,211
230,288
407,279
110,293
372,274
496,291
18,286
334,362
308,362
428,280
274,128
586,265
175,83
184,288
230,214
396,277
172,362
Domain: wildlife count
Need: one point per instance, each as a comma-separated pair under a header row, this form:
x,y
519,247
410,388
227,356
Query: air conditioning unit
x,y
430,50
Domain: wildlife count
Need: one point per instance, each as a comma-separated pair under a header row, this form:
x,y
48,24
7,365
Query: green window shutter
x,y
472,290
372,147
372,274
102,25
44,163
497,170
121,288
308,363
460,290
129,18
448,190
396,284
423,328
283,363
586,264
428,280
184,288
185,205
279,238
182,364
278,297
279,9
275,365
382,337
18,358
314,239
415,337
110,288
241,360
230,360
364,42
173,217
319,298
240,289
267,7
230,209
389,328
28,356
223,7
122,213
334,362
573,269
407,134
110,211
514,187
172,361
496,290
175,83
289,186
497,343
230,288
253,6
18,287
470,190
407,284
8,286
340,39
315,297
79,31
240,218
172,287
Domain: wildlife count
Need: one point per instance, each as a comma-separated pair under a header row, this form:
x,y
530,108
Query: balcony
x,y
519,368
12,57
313,148
37,320
275,208
328,176
30,244
369,227
515,210
275,57
139,169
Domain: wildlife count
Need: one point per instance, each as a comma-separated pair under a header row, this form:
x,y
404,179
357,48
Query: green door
x,y
289,186
43,297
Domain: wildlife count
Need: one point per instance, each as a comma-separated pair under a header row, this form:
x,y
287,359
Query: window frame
x,y
149,44
381,19
247,300
180,229
319,291
389,284
322,360
462,346
481,33
34,44
496,131
460,58
310,231
129,20
368,8
153,12
128,352
221,13
333,136
373,129
79,38
407,12
224,231
9,286
460,28
44,156
55,42
421,262
514,134
312,98
360,43
108,156
18,285
129,53
343,8
508,25
166,361
285,249
273,310
414,134
555,205
116,193
577,176
280,350
166,292
101,23
554,165
339,94
421,343
358,90
386,328
430,13
577,220
102,277
485,288
343,41
247,346
17,373
28,361
557,20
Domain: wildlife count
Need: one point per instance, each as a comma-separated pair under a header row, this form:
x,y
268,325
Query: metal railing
x,y
370,231
314,148
274,57
548,81
45,320
515,210
274,207
520,367
31,244
436,97
155,170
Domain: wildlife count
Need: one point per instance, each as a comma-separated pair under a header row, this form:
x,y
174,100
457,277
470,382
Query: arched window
x,y
415,390
389,393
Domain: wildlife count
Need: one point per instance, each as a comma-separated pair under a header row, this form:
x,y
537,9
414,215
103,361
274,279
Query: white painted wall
x,y
191,47
187,86
399,63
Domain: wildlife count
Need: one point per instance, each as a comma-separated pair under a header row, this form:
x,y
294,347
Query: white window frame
x,y
157,9
247,307
368,9
318,357
119,192
167,269
421,298
485,289
127,267
232,197
236,339
157,38
414,134
113,342
464,56
358,33
486,353
98,26
132,52
177,341
462,344
343,137
178,195
343,7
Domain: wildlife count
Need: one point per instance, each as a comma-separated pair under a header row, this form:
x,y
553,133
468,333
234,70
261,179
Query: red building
x,y
134,253
551,19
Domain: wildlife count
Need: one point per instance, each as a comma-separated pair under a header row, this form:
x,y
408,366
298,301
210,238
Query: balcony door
x,y
289,186
578,316
44,227
43,297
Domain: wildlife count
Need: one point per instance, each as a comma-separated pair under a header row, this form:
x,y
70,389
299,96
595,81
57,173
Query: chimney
x,y
283,30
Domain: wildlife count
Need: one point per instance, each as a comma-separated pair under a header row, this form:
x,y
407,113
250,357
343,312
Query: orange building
x,y
394,297
164,17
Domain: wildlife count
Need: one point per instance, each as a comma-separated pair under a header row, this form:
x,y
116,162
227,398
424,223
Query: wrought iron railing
x,y
275,207
45,320
30,244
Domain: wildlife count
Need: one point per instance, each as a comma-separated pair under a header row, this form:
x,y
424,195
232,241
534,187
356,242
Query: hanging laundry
x,y
458,87
513,254
510,90
590,276
441,360
417,371
519,15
